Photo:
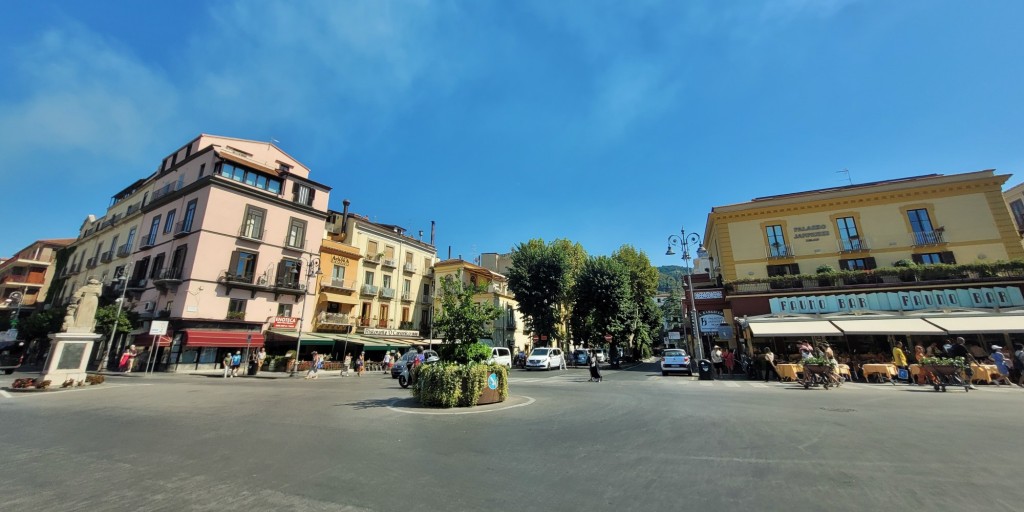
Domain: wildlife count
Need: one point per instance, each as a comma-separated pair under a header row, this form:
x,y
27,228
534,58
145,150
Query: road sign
x,y
158,327
535,338
543,337
607,337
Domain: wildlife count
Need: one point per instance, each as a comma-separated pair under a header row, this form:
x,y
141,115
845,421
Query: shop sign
x,y
708,295
725,331
394,333
339,260
980,298
810,233
284,322
710,320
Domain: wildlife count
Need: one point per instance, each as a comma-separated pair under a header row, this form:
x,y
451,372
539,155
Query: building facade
x,y
507,329
26,276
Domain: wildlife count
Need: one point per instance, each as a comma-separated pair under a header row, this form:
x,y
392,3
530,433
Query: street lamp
x,y
123,277
684,240
312,270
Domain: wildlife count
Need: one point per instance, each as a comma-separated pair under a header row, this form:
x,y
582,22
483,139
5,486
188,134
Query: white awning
x,y
888,326
793,328
979,324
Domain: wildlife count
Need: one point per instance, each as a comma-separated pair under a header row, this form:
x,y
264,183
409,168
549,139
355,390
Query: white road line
x,y
732,385
5,394
705,383
758,384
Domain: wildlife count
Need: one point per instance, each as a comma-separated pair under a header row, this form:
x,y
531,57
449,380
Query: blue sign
x,y
492,381
981,298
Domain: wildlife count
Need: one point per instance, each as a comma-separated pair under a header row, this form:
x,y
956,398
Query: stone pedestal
x,y
69,354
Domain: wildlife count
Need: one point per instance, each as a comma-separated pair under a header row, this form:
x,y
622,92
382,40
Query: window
x,y
934,257
338,273
202,170
248,176
426,289
407,287
364,314
302,194
252,223
408,258
384,316
776,242
784,270
190,215
131,238
242,266
857,264
288,273
371,249
426,264
386,283
178,260
236,308
389,253
921,225
154,228
284,310
405,315
158,266
368,278
849,239
1017,207
113,244
296,234
169,224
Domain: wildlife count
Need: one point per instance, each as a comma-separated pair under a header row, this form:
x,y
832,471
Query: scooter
x,y
405,379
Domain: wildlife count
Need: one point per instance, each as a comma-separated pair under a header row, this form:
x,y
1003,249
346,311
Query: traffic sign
x,y
158,327
607,337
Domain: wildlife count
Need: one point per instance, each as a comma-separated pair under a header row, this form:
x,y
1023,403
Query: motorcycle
x,y
407,377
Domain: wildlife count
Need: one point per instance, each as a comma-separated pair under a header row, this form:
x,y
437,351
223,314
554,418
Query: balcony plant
x,y
236,315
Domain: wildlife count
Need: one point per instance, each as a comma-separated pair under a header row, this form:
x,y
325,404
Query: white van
x,y
502,356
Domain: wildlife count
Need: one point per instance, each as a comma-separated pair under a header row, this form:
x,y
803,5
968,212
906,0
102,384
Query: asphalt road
x,y
637,441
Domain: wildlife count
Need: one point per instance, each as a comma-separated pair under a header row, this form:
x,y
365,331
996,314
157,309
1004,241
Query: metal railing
x,y
168,274
181,229
250,232
334,318
369,289
90,263
409,267
927,238
147,241
107,257
338,283
387,293
852,244
164,190
389,263
778,251
124,250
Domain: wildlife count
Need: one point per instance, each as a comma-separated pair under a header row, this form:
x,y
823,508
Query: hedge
x,y
450,384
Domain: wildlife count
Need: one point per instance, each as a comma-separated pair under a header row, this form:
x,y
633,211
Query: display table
x,y
844,371
984,373
886,371
788,372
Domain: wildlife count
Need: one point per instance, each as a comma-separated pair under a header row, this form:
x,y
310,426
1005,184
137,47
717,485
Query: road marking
x,y
705,383
5,394
732,385
758,385
55,392
448,411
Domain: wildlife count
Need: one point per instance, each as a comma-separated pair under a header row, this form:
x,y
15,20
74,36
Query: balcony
x,y
167,276
426,299
250,233
133,208
409,267
777,250
326,318
165,190
283,286
852,245
289,283
138,284
922,238
24,279
387,293
147,241
368,289
338,284
231,277
406,297
373,258
91,262
389,263
182,228
124,250
107,257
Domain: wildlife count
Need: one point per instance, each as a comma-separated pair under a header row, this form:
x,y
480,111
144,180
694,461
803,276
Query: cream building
x,y
507,330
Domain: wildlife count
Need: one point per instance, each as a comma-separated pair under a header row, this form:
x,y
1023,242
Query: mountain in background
x,y
670,276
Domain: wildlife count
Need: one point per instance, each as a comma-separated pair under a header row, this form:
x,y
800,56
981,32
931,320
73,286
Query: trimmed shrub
x,y
95,378
474,381
450,384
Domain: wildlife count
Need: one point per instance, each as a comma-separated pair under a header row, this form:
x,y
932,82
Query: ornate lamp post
x,y
123,278
312,270
684,240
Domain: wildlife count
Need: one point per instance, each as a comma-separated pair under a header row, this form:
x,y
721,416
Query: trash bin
x,y
706,370
252,368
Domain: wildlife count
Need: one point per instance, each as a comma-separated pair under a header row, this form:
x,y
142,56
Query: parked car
x,y
502,356
581,356
546,358
407,358
675,360
11,355
602,355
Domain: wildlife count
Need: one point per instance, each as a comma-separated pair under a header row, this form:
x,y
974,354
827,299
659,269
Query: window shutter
x,y
947,257
794,269
233,265
281,273
869,263
844,264
309,200
917,258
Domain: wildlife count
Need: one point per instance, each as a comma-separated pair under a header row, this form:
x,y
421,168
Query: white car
x,y
675,360
502,356
545,358
602,355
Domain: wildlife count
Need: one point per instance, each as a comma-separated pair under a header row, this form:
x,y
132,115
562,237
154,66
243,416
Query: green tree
x,y
41,323
462,321
539,279
644,315
105,320
602,294
576,257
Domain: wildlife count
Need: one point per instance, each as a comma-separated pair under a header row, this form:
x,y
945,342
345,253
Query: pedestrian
x,y
347,365
123,363
1018,363
923,377
360,361
387,362
959,349
261,357
999,360
236,363
806,350
311,372
716,360
133,354
769,365
730,360
226,363
899,360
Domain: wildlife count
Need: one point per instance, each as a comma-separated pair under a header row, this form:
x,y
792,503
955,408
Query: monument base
x,y
69,355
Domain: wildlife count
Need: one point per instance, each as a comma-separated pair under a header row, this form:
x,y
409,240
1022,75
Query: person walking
x,y
959,349
133,354
1018,363
236,363
716,361
999,359
387,363
311,373
226,363
899,359
730,361
261,357
123,363
769,365
360,362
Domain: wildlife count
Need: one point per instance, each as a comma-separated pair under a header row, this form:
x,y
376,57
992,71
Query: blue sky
x,y
602,122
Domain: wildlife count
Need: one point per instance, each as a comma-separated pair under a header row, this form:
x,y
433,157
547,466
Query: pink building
x,y
228,230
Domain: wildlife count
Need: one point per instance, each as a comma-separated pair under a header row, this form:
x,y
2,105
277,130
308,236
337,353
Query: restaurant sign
x,y
710,320
1002,297
284,322
395,333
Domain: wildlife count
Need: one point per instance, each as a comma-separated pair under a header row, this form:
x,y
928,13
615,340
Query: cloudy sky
x,y
603,122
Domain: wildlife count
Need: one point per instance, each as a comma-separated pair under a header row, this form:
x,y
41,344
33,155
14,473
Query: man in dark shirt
x,y
960,350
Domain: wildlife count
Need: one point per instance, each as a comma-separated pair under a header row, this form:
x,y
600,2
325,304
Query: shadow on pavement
x,y
374,403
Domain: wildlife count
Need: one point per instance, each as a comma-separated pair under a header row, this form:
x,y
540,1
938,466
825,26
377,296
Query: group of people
x,y
1010,364
807,350
722,360
233,362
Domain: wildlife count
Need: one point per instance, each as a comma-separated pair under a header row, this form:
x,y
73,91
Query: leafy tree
x,y
576,257
645,317
462,321
41,323
538,277
602,294
105,320
671,309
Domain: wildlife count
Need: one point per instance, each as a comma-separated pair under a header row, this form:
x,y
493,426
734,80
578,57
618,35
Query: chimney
x,y
344,219
421,235
433,232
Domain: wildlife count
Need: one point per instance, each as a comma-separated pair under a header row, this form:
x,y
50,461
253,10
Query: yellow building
x,y
506,330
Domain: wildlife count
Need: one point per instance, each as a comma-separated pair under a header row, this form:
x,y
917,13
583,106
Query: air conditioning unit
x,y
147,306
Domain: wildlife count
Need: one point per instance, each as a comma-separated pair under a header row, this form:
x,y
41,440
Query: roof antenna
x,y
847,173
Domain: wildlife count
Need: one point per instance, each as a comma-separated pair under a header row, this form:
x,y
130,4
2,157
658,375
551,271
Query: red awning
x,y
227,339
146,340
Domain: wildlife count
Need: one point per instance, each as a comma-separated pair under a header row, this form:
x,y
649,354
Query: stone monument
x,y
71,347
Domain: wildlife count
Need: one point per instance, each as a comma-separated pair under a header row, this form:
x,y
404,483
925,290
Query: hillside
x,y
670,276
